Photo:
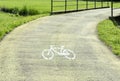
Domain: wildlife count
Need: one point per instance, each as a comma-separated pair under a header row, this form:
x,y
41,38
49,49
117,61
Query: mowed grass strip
x,y
110,34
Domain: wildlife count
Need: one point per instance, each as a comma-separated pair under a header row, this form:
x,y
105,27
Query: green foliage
x,y
23,12
10,10
110,34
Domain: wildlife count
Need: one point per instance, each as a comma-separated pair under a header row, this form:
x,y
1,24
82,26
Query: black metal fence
x,y
114,6
64,6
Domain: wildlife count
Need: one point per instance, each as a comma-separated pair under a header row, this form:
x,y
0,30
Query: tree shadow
x,y
116,20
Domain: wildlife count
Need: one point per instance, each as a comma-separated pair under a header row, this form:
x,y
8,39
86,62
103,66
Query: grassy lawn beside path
x,y
110,34
9,21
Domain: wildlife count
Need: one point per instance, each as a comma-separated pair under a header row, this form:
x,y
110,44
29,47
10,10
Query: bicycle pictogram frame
x,y
49,54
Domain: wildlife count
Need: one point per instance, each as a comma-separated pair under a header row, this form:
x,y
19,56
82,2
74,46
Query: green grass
x,y
116,5
43,6
9,21
110,34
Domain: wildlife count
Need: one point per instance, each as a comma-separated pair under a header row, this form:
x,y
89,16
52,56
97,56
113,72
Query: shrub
x,y
33,12
10,10
23,12
15,10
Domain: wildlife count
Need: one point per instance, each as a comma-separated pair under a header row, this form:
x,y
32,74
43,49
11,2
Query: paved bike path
x,y
20,51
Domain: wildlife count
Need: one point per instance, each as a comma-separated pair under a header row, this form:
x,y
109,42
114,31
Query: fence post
x,y
77,5
108,3
94,3
86,4
111,8
101,3
51,7
65,5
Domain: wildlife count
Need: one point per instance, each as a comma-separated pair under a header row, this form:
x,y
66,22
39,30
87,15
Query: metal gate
x,y
64,6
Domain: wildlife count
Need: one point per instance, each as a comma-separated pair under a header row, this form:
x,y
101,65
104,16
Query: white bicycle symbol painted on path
x,y
48,54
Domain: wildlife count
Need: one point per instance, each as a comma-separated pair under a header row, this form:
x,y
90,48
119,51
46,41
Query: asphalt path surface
x,y
26,55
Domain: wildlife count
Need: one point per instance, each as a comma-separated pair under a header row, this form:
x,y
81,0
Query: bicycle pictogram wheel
x,y
69,54
47,54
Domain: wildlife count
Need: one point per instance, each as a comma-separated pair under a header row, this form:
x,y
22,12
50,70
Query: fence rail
x,y
64,6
